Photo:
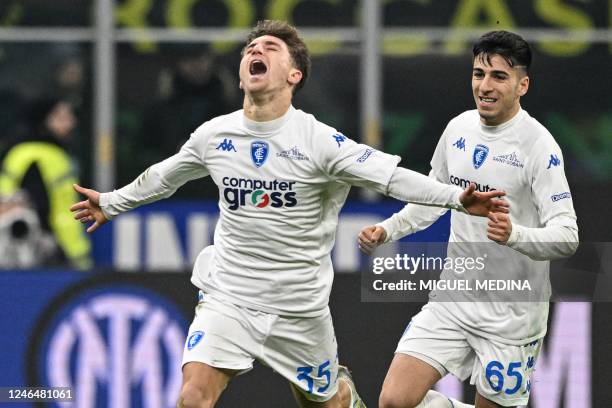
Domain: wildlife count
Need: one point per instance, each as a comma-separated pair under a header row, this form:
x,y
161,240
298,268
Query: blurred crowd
x,y
46,143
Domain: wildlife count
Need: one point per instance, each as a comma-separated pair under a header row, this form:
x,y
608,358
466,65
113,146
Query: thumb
x,y
378,234
91,195
471,188
80,190
467,195
367,231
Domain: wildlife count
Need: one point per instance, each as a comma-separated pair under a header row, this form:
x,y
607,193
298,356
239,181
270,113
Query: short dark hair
x,y
289,34
510,46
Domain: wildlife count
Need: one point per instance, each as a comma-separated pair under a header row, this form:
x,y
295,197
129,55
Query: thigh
x,y
304,351
437,340
502,372
222,336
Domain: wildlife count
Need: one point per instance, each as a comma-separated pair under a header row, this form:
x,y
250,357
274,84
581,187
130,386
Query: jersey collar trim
x,y
494,131
267,128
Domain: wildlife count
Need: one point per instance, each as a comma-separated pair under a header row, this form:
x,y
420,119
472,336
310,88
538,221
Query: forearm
x,y
412,187
547,243
150,186
157,182
412,218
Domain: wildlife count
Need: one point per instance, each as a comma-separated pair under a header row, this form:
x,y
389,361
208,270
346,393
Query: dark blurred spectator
x,y
195,89
71,84
70,80
39,163
10,106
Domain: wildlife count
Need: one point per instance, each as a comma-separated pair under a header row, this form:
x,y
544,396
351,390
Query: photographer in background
x,y
23,244
39,163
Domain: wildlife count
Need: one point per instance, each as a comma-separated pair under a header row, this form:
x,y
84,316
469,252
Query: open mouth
x,y
257,67
487,100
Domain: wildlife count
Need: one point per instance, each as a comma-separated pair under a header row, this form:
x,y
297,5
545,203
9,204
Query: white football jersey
x,y
281,186
521,158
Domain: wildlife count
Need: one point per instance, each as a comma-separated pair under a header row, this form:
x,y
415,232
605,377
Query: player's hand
x,y
499,227
88,210
371,237
481,204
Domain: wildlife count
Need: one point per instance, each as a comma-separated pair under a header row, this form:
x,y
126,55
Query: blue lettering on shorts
x,y
305,374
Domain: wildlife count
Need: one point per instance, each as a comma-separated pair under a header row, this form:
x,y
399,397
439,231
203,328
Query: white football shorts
x,y
501,372
302,350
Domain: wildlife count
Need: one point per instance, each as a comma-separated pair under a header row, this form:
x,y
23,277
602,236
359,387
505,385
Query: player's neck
x,y
504,119
266,107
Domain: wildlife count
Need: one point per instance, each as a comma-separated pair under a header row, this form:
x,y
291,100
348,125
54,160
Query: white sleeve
x,y
558,236
412,187
547,243
363,166
413,217
356,164
157,182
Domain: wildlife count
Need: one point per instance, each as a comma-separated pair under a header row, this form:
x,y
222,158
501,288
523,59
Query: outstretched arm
x,y
363,166
410,186
410,219
413,218
157,182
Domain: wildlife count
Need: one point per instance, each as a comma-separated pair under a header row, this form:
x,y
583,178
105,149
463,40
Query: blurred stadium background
x,y
142,74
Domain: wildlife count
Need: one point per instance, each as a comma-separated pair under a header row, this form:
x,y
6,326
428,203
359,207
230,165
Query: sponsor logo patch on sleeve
x,y
366,154
557,197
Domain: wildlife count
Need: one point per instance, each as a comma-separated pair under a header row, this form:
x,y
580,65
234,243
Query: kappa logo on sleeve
x,y
554,161
340,138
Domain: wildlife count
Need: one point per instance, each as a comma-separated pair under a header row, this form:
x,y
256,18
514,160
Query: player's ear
x,y
523,85
240,85
295,76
